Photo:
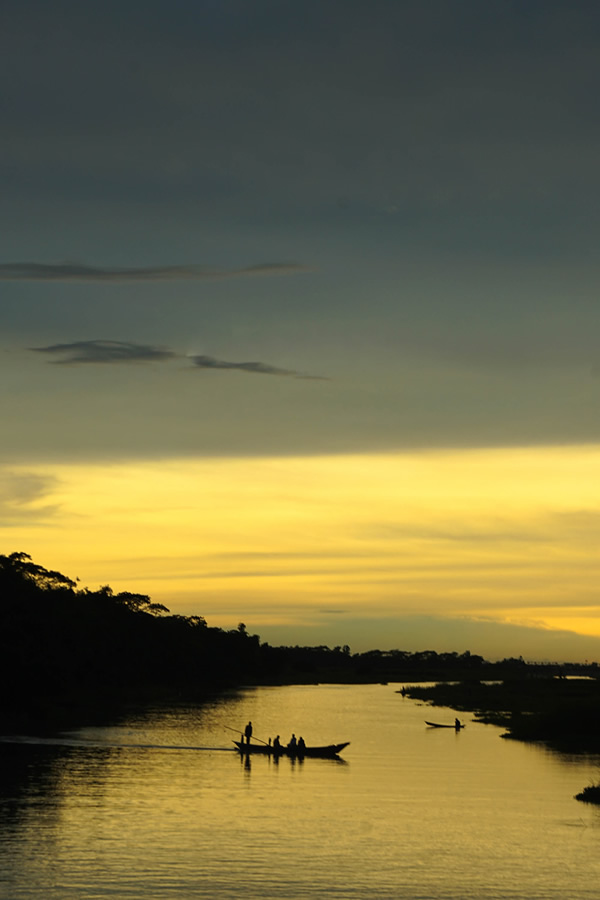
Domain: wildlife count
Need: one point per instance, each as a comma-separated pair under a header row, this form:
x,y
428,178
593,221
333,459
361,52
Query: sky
x,y
299,314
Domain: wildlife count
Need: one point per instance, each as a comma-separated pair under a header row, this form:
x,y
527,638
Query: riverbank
x,y
590,794
563,713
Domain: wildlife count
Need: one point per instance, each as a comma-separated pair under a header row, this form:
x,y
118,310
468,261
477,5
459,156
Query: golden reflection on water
x,y
149,807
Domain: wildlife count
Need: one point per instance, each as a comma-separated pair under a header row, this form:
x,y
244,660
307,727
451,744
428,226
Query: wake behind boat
x,y
329,751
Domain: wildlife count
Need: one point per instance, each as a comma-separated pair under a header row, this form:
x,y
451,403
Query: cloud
x,y
259,368
22,496
105,352
80,352
30,271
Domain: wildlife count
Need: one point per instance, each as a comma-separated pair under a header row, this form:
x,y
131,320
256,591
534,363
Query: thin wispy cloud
x,y
80,352
31,271
257,368
100,351
23,497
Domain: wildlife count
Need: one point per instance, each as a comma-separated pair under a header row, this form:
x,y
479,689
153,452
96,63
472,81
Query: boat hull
x,y
437,725
328,752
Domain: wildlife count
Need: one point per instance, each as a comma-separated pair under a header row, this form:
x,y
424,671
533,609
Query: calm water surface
x,y
159,807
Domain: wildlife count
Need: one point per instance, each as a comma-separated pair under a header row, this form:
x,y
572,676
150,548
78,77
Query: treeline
x,y
338,664
62,647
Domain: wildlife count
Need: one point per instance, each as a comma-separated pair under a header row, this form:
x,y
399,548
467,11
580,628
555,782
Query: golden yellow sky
x,y
508,535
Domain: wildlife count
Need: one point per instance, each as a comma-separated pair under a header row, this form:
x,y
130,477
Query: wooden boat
x,y
328,752
437,725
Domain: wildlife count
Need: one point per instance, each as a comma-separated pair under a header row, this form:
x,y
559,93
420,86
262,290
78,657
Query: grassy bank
x,y
560,711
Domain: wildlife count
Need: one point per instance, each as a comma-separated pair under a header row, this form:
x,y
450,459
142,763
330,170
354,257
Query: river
x,y
158,806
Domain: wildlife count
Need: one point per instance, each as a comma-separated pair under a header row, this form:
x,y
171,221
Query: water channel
x,y
158,805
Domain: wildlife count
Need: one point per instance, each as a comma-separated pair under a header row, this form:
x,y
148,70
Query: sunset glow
x,y
510,535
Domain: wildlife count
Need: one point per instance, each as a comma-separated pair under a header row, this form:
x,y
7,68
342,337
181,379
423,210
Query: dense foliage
x,y
60,644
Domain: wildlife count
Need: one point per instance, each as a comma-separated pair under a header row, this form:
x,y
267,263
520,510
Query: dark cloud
x,y
30,271
78,352
105,352
259,368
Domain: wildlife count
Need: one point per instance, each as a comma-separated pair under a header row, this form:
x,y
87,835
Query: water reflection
x,y
160,804
34,776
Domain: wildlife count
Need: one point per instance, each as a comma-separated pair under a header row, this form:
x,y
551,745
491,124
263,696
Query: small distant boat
x,y
438,725
328,752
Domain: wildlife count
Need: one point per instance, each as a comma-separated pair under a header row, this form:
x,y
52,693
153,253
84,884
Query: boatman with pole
x,y
248,732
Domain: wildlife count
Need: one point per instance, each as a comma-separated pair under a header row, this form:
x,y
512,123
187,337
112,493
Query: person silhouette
x,y
292,743
248,732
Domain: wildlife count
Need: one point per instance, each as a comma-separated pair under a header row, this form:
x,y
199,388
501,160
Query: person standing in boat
x,y
248,732
292,744
277,744
301,745
457,724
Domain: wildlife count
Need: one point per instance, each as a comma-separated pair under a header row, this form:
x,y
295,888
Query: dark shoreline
x,y
563,714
